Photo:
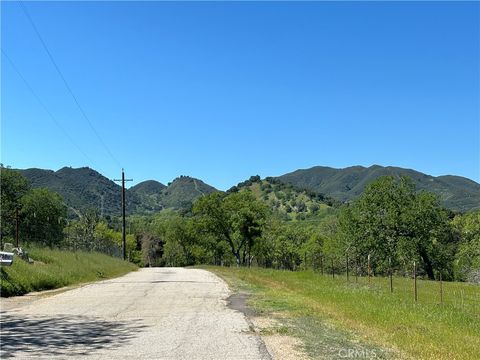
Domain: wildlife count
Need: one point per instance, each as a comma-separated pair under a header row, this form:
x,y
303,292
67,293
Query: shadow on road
x,y
62,335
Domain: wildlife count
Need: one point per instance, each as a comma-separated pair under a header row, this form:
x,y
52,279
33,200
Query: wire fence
x,y
400,282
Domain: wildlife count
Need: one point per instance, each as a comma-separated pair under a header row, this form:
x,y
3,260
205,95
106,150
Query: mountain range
x,y
455,192
83,188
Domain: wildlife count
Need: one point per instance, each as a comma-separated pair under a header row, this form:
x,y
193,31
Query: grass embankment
x,y
57,268
332,316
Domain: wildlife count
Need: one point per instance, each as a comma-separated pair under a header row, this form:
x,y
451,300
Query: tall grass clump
x,y
57,268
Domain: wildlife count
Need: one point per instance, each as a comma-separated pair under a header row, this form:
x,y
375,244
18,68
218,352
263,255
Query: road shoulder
x,y
274,341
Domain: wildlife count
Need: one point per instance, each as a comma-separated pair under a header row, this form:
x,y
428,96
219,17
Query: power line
x,y
42,104
66,83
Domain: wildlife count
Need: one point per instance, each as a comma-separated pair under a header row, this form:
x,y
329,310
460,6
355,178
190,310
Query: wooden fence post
x,y
356,269
391,274
368,268
347,270
415,280
441,289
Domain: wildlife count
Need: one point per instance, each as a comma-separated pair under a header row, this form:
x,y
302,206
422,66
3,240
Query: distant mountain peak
x,y
148,187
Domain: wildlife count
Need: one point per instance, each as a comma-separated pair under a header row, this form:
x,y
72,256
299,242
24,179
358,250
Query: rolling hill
x,y
289,194
182,191
150,194
290,202
455,192
80,188
84,188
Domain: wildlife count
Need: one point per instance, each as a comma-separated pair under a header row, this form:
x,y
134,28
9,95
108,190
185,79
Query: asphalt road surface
x,y
154,313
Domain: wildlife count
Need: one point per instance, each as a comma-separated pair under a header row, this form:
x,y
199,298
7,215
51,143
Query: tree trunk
x,y
428,264
237,257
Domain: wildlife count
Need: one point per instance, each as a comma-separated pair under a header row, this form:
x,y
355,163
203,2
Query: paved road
x,y
156,313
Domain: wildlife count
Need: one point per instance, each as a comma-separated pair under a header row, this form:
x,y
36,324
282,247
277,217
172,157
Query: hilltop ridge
x,y
84,188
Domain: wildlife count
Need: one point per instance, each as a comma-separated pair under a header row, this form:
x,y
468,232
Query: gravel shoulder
x,y
154,313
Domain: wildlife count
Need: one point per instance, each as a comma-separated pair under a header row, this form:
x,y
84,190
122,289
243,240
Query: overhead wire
x,y
45,108
67,86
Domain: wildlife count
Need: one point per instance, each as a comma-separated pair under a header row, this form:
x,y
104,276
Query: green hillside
x,y
182,191
81,188
456,193
290,202
150,194
84,188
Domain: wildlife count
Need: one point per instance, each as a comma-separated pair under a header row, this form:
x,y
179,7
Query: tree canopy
x,y
392,222
43,217
237,219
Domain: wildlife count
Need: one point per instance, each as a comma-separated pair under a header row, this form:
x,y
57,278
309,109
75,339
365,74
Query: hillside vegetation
x,y
286,200
150,194
84,188
183,191
455,192
53,269
264,223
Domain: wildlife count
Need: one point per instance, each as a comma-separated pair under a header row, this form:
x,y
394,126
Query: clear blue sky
x,y
222,91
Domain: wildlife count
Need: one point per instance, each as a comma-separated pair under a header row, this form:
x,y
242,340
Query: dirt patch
x,y
277,340
284,347
272,336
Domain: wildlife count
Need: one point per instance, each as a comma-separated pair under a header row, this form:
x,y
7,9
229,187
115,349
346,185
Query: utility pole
x,y
124,235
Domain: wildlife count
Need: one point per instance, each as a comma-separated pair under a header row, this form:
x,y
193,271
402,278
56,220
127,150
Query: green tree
x,y
43,217
467,259
180,237
426,236
287,244
106,240
13,186
81,233
391,221
237,219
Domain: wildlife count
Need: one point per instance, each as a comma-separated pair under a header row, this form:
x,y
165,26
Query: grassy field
x,y
332,316
56,268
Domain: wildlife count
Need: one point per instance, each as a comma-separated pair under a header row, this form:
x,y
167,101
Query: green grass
x,y
57,268
331,314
